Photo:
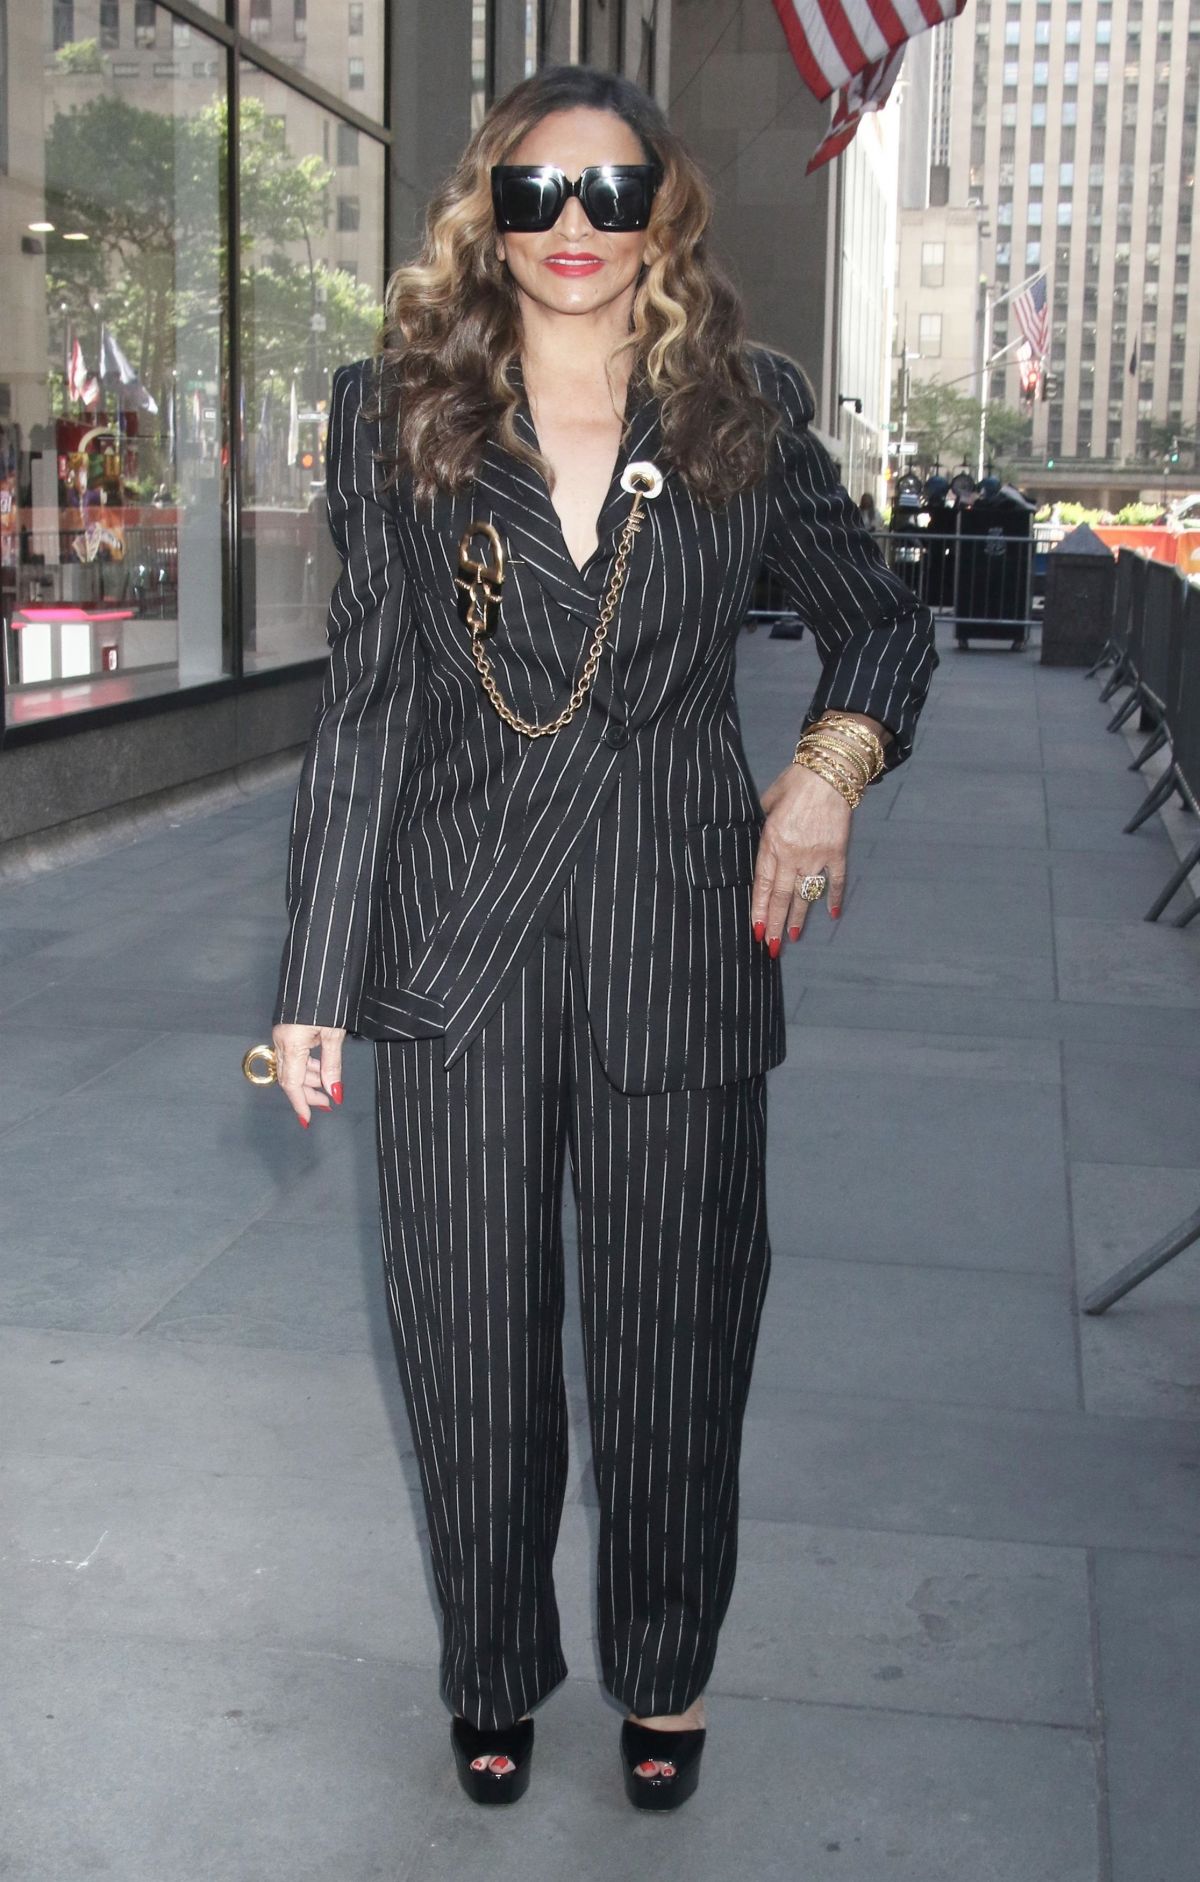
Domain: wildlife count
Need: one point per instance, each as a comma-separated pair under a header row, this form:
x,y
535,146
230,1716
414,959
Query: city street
x,y
965,1638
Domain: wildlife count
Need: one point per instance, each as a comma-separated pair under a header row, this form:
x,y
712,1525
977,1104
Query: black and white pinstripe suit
x,y
550,941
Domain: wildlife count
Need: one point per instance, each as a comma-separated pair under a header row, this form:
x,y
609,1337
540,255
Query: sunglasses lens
x,y
528,200
617,199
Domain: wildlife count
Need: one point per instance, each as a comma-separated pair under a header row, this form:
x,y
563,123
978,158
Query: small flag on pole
x,y
81,384
1029,368
1031,311
854,47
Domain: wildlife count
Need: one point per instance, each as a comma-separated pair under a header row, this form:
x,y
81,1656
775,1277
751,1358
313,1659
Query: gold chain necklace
x,y
482,582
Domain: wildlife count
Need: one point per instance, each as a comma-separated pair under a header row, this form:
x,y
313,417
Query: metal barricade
x,y
1183,725
983,576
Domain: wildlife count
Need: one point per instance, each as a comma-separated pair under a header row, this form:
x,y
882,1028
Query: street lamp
x,y
851,399
906,354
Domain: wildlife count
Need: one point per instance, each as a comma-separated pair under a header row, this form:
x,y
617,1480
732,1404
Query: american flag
x,y
1031,311
854,47
1029,370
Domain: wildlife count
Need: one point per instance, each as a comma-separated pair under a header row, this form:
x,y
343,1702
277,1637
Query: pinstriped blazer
x,y
429,840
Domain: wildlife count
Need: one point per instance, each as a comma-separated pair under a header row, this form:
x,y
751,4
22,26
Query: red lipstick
x,y
569,265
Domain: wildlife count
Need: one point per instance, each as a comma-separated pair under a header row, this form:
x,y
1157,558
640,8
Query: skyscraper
x,y
1073,122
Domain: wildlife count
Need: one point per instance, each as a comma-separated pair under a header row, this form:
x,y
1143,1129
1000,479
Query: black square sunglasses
x,y
617,197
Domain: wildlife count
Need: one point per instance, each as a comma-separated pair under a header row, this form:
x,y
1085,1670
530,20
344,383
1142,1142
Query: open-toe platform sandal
x,y
678,1751
474,1752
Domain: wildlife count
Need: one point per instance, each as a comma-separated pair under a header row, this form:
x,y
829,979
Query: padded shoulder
x,y
785,383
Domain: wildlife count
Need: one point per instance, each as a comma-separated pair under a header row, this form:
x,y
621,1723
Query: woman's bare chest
x,y
580,444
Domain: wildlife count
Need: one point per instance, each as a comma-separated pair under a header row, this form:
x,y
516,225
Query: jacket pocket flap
x,y
720,853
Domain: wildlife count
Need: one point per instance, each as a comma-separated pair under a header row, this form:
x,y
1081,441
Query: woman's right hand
x,y
308,1063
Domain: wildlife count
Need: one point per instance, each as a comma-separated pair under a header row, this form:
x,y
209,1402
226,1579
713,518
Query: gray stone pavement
x,y
965,1639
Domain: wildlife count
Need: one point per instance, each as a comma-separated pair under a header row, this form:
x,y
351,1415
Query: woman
x,y
529,862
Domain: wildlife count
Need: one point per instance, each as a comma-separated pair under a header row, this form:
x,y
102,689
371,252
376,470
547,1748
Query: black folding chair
x,y
1161,679
1128,670
1128,1277
1112,654
1184,770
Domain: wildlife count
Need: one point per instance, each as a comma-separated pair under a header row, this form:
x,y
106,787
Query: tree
x,y
1154,442
148,189
945,424
1008,433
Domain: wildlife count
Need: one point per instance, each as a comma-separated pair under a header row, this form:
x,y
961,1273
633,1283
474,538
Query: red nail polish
x,y
304,1123
335,1092
774,945
835,912
760,929
795,933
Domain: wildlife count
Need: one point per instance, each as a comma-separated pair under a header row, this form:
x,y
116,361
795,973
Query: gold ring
x,y
269,1059
812,888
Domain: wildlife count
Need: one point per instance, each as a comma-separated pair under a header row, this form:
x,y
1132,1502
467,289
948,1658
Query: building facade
x,y
812,255
1074,123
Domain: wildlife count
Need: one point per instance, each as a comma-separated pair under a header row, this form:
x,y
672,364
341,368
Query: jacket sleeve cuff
x,y
865,676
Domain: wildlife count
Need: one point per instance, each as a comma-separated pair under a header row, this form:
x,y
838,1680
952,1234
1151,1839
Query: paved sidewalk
x,y
965,1639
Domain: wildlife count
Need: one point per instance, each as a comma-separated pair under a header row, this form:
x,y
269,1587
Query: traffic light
x,y
1174,451
1050,385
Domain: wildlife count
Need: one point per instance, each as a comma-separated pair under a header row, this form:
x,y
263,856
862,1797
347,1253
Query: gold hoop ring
x,y
268,1057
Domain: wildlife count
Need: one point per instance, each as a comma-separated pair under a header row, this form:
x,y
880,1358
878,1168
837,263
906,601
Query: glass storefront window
x,y
113,359
311,193
124,438
336,43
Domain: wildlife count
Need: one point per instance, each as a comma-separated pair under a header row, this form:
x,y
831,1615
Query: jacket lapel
x,y
515,497
642,439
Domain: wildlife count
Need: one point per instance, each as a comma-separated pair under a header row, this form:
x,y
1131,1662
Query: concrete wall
x,y
63,786
737,99
866,267
430,107
957,299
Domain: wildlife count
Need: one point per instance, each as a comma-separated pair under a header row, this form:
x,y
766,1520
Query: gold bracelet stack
x,y
842,751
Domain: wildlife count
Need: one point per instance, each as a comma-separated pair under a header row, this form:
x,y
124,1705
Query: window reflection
x,y
113,456
339,43
311,193
117,418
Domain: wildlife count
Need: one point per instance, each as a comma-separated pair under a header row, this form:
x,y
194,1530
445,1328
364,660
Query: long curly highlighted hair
x,y
452,327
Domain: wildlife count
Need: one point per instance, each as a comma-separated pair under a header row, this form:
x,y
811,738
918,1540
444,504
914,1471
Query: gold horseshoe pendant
x,y
480,581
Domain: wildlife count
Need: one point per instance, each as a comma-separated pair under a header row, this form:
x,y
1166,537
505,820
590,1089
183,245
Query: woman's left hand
x,y
807,832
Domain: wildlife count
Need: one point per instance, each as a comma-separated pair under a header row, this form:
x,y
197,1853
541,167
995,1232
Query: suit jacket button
x,y
616,734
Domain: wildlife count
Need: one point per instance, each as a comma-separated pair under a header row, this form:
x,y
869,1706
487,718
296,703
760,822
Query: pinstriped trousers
x,y
673,1265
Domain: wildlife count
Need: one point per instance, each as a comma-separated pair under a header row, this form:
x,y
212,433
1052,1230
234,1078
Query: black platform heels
x,y
474,1749
679,1751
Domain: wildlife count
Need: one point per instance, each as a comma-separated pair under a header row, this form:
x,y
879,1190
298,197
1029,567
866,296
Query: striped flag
x,y
868,90
854,47
115,365
81,384
1029,370
1031,311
